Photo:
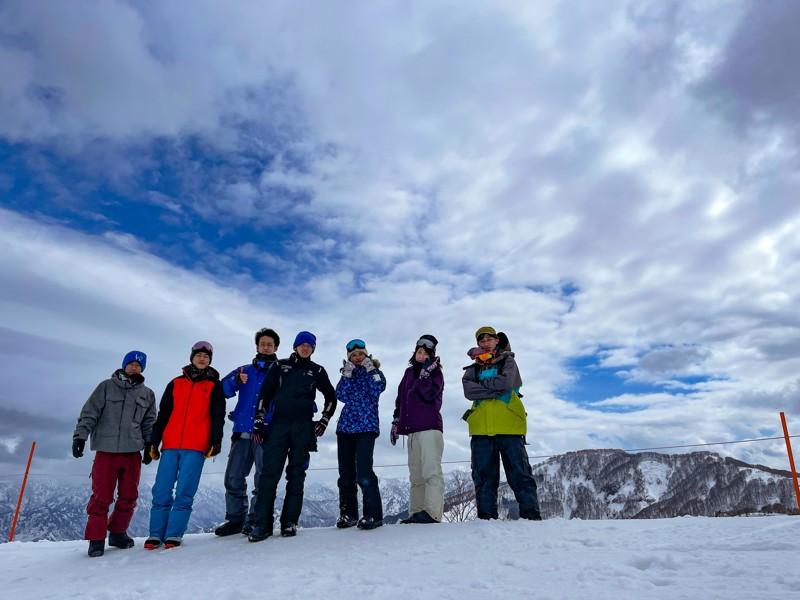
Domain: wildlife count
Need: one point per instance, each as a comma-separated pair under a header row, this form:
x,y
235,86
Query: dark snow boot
x,y
259,533
97,548
288,530
247,528
120,540
368,523
345,521
172,542
229,528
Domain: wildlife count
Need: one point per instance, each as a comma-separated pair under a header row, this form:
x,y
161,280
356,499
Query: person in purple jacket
x,y
417,414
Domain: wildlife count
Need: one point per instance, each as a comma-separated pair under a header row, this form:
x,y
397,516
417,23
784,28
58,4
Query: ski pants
x,y
487,451
287,439
425,449
244,454
111,470
355,452
178,470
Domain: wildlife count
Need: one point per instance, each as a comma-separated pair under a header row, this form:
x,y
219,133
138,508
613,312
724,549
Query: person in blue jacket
x,y
359,388
246,381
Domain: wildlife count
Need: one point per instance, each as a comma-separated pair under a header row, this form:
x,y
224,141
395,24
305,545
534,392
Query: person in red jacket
x,y
188,428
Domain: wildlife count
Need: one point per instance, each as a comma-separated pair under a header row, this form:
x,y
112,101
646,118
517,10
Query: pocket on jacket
x,y
140,410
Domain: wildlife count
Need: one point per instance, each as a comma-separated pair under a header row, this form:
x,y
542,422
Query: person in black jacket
x,y
285,426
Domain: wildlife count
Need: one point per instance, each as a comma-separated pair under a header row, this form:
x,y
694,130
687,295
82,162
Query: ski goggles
x,y
425,343
203,346
356,345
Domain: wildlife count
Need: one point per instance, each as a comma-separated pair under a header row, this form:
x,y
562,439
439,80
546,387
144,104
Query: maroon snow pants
x,y
111,470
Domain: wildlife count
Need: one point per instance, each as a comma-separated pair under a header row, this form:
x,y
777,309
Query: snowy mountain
x,y
591,484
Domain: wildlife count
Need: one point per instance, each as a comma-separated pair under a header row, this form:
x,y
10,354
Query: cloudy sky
x,y
616,185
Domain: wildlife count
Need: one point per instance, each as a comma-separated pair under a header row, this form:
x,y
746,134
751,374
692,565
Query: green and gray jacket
x,y
494,391
119,415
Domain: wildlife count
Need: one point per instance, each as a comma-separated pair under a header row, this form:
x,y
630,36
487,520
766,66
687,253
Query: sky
x,y
614,185
687,557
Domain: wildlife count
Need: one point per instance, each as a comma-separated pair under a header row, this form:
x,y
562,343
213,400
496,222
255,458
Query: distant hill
x,y
590,484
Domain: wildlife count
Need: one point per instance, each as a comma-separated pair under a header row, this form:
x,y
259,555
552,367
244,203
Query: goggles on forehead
x,y
425,343
356,345
203,346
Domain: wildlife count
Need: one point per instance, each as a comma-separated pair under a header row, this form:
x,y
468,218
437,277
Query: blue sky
x,y
615,186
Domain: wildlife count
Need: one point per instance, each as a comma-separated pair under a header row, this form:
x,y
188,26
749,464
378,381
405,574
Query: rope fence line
x,y
457,462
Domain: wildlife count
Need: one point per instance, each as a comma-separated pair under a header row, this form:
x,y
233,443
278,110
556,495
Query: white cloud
x,y
446,169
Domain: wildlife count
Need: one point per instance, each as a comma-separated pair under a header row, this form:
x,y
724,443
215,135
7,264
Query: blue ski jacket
x,y
245,412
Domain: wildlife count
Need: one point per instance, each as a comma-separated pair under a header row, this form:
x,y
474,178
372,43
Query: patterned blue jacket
x,y
359,394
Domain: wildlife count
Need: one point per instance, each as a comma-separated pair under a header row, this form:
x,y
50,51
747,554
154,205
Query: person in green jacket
x,y
497,424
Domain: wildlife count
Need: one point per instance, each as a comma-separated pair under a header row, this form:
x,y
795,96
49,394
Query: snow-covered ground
x,y
689,557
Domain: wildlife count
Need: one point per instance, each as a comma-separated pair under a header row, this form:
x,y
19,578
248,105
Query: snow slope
x,y
687,557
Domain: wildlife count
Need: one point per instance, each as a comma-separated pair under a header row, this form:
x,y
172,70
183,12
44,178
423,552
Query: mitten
x,y
146,458
347,368
320,426
213,449
368,364
260,430
77,447
154,453
428,367
394,434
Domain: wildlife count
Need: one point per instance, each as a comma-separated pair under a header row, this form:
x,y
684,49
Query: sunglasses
x,y
356,345
426,343
203,346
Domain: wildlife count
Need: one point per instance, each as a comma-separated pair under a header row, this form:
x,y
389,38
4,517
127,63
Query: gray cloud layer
x,y
477,162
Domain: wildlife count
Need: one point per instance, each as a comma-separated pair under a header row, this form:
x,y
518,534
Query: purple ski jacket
x,y
419,402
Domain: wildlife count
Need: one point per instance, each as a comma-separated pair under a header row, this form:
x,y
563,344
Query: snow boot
x,y
247,528
120,540
97,548
345,521
367,523
152,543
288,530
259,533
172,542
229,528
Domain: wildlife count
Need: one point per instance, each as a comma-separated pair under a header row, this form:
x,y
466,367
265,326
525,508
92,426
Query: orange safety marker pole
x,y
22,491
791,460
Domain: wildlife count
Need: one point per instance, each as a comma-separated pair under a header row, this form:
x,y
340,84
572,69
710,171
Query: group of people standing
x,y
274,430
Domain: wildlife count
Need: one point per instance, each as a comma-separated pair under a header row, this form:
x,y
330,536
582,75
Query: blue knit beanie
x,y
135,355
304,337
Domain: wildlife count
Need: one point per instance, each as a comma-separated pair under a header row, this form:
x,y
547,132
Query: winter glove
x,y
213,449
368,364
77,447
146,458
241,376
320,426
394,434
154,453
347,368
260,430
428,367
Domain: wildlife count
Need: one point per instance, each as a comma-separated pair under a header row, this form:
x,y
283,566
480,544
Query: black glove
x,y
394,434
146,458
77,447
213,449
320,426
260,430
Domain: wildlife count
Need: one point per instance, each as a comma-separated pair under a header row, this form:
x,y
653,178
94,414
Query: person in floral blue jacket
x,y
358,390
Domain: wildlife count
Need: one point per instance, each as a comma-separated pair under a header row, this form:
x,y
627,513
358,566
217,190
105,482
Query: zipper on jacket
x,y
186,412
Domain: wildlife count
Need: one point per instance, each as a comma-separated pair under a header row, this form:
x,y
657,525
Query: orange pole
x,y
22,491
791,460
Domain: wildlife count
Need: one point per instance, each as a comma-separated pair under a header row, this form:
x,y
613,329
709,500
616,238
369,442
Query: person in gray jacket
x,y
119,417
